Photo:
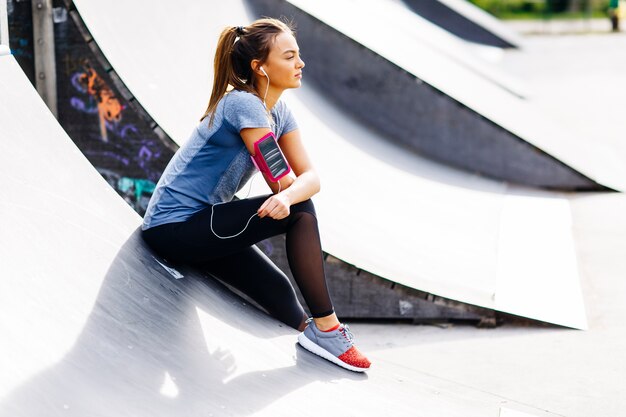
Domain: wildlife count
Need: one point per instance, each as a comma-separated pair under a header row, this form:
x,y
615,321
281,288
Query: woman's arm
x,y
293,190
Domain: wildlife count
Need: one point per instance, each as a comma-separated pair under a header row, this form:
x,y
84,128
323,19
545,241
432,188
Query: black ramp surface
x,y
461,25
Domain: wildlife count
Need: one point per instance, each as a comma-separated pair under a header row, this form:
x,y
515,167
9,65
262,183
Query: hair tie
x,y
239,30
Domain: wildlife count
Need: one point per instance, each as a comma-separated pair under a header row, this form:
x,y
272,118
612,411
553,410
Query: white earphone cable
x,y
267,87
250,219
249,188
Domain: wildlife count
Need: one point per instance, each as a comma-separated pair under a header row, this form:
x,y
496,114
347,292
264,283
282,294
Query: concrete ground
x,y
566,372
560,26
579,81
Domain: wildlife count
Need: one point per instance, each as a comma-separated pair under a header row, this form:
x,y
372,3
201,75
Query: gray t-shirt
x,y
214,163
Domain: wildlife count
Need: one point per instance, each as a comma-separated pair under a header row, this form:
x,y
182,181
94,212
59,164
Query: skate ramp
x,y
432,104
423,34
467,21
92,324
381,209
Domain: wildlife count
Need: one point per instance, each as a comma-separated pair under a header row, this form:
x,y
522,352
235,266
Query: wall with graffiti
x,y
116,140
119,143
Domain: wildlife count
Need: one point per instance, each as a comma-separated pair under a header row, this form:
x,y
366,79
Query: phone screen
x,y
273,157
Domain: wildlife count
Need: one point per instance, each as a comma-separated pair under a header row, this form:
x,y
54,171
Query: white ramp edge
x,y
518,116
381,209
92,325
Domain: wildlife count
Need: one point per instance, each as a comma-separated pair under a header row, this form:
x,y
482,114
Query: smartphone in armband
x,y
269,159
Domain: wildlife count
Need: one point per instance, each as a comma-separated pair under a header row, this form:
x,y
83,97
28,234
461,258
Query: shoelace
x,y
345,330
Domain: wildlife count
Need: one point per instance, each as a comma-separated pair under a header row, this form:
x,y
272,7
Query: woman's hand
x,y
276,206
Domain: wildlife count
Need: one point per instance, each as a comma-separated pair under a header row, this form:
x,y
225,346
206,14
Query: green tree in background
x,y
512,9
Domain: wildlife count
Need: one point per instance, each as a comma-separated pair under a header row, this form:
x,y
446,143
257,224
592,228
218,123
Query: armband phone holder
x,y
269,159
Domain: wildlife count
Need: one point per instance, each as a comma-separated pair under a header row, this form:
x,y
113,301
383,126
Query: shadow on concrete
x,y
143,351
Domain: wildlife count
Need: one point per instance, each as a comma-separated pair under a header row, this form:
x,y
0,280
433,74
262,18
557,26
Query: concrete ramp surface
x,y
93,325
422,98
382,209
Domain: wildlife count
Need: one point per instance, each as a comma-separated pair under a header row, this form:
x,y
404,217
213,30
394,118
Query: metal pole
x,y
4,24
45,63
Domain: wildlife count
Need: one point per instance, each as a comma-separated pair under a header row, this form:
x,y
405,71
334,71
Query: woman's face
x,y
283,64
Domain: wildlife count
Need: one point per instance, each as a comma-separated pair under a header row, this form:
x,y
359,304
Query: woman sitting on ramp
x,y
192,217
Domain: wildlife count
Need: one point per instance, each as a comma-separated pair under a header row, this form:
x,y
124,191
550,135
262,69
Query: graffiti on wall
x,y
107,106
116,140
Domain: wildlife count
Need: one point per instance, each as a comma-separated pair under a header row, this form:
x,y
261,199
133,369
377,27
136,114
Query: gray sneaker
x,y
337,346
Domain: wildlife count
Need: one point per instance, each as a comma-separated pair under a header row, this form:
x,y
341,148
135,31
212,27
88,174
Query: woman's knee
x,y
305,206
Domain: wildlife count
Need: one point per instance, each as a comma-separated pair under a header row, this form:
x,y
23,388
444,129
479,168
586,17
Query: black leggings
x,y
238,262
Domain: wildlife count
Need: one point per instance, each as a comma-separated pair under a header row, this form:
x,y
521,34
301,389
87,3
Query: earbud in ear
x,y
263,71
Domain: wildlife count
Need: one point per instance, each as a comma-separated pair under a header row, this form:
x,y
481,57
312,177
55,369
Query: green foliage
x,y
506,9
496,7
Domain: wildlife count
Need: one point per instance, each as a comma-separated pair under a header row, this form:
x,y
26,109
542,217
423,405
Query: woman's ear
x,y
256,66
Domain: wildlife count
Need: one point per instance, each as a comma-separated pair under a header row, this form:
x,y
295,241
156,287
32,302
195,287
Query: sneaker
x,y
337,346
